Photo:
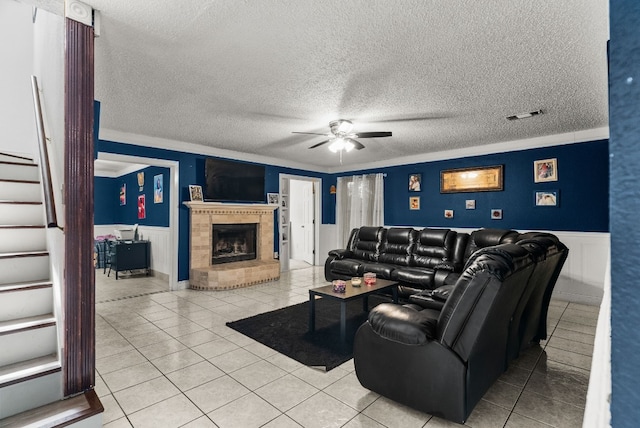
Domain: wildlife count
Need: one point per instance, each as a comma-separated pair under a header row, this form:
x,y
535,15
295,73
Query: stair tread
x,y
27,323
22,226
24,254
15,156
25,285
59,413
6,201
24,370
10,180
18,163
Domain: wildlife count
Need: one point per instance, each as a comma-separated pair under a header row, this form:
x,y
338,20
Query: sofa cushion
x,y
403,324
367,243
380,269
414,275
433,247
397,247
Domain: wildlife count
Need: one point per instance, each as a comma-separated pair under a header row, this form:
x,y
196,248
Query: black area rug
x,y
286,331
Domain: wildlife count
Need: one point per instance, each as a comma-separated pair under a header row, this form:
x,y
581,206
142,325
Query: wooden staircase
x,y
30,364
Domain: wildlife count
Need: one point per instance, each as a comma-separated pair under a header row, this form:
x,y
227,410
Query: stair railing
x,y
45,168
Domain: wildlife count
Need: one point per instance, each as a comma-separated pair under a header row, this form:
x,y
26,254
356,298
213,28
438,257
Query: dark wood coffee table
x,y
350,293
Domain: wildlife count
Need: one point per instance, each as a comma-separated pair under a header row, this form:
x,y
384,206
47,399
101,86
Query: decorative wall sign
x,y
415,182
482,179
158,189
545,170
496,214
470,204
448,213
141,180
414,203
546,198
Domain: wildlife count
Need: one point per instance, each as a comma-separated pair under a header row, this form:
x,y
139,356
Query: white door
x,y
302,220
307,217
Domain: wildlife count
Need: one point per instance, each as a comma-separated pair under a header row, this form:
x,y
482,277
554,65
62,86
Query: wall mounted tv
x,y
230,181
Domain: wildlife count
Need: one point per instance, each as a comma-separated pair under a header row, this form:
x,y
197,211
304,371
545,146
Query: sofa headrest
x,y
434,237
489,237
401,235
370,233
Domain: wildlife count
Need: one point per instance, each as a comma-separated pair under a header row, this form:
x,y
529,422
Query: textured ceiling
x,y
242,75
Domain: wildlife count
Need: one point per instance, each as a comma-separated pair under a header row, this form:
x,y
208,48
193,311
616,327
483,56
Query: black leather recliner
x,y
443,362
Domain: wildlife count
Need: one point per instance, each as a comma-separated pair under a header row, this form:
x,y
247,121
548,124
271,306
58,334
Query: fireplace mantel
x,y
204,275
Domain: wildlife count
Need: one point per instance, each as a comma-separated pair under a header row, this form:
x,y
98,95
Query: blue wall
x,y
583,187
624,122
103,200
583,171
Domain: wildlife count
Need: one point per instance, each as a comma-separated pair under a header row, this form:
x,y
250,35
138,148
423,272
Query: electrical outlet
x,y
275,254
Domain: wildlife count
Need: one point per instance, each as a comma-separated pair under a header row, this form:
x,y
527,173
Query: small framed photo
x,y
195,192
415,182
448,213
414,203
470,204
273,198
545,170
546,198
496,214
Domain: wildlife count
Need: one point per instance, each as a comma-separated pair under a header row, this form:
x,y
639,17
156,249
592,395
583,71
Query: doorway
x,y
171,239
298,225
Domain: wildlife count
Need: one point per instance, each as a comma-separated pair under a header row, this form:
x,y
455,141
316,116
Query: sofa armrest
x,y
340,254
403,324
424,300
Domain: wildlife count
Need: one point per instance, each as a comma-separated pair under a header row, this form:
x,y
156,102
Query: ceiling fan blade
x,y
311,133
373,134
356,144
319,144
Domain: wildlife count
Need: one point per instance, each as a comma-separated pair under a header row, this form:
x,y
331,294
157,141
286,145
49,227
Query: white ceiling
x,y
242,75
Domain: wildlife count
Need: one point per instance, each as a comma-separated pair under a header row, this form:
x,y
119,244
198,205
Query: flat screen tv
x,y
230,181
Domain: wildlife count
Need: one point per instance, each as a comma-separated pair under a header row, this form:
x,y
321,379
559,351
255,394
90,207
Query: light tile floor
x,y
167,359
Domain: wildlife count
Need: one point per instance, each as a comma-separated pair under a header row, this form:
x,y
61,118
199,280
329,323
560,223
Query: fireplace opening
x,y
233,242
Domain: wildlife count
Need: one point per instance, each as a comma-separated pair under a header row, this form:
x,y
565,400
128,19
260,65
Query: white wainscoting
x,y
583,275
159,237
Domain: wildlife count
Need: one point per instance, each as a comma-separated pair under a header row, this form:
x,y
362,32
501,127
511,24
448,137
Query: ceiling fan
x,y
341,137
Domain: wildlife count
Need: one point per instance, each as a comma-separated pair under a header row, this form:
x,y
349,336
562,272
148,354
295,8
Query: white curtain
x,y
359,202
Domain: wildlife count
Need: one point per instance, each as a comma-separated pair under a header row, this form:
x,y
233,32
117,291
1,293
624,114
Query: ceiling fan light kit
x,y
342,139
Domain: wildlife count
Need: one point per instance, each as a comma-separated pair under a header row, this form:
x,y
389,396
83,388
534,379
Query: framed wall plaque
x,y
481,179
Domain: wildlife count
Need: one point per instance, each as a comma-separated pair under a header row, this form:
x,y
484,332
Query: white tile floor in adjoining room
x,y
167,359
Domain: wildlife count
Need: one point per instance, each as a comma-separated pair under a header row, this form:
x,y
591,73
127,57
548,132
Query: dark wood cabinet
x,y
129,255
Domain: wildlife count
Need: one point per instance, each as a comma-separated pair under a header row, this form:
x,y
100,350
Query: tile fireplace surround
x,y
205,276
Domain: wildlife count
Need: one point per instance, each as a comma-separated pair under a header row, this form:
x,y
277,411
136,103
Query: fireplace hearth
x,y
233,242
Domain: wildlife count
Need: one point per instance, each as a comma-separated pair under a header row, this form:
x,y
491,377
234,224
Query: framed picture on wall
x,y
195,192
158,189
141,181
546,198
496,214
414,203
123,194
545,170
142,209
415,182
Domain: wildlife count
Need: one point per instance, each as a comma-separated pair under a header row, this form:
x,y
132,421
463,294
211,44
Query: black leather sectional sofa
x,y
417,259
441,359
